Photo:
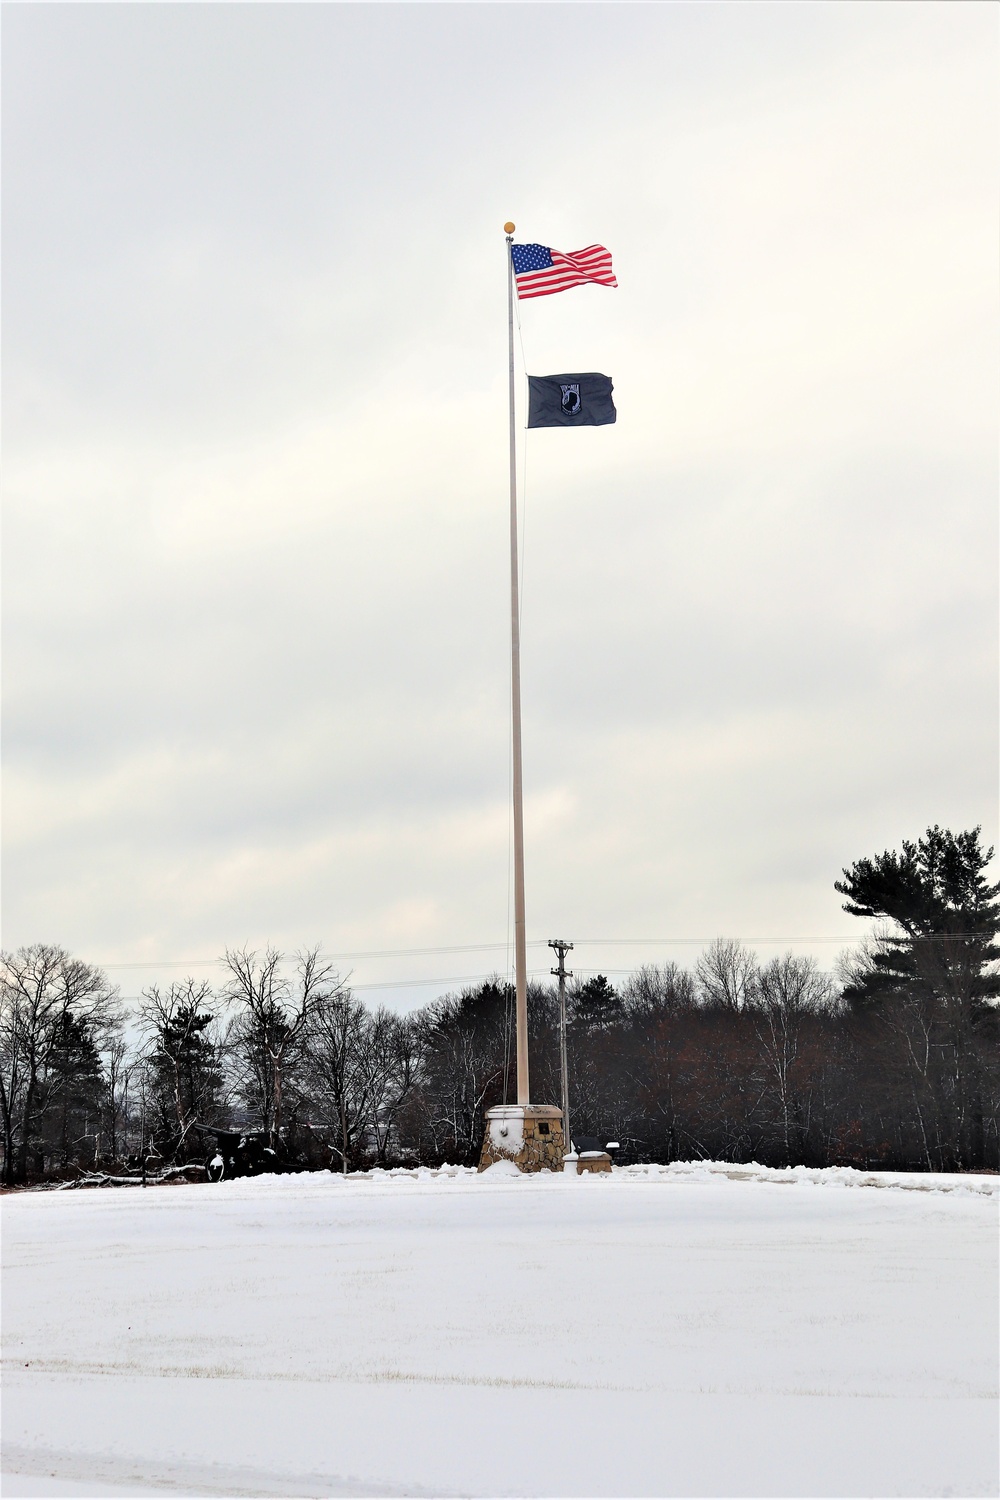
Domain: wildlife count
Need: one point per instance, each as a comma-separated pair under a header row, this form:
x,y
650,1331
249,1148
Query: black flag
x,y
570,401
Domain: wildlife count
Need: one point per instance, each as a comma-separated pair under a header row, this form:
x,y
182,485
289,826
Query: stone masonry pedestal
x,y
529,1135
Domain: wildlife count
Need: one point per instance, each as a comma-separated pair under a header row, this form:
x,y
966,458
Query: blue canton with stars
x,y
530,258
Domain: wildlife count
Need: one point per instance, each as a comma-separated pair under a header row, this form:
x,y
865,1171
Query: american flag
x,y
540,271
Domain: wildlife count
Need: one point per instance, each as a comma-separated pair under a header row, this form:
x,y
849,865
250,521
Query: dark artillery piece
x,y
244,1153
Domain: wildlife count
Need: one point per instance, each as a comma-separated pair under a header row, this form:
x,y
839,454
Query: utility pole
x,y
562,974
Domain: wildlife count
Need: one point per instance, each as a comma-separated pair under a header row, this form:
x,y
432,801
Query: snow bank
x,y
979,1183
976,1184
502,1169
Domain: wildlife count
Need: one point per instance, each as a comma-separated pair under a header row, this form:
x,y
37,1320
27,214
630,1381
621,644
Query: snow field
x,y
694,1330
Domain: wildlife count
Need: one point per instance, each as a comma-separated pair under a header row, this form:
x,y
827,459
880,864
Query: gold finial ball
x,y
508,228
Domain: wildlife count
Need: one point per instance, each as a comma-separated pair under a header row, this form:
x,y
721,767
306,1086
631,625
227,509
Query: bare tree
x,y
725,973
266,1037
658,1000
395,1066
343,1069
118,1070
657,990
785,992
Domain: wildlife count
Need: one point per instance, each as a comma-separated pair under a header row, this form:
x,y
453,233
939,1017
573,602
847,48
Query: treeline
x,y
894,1064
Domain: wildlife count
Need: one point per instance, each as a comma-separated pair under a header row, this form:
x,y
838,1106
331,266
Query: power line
x,y
641,942
400,984
452,979
201,963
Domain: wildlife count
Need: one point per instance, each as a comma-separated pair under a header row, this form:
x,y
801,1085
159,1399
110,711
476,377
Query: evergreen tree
x,y
945,913
597,1004
40,985
184,1062
931,981
71,1094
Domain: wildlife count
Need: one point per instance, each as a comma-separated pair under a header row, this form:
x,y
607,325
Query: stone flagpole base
x,y
529,1135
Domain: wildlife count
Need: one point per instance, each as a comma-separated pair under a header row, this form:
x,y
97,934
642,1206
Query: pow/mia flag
x,y
570,401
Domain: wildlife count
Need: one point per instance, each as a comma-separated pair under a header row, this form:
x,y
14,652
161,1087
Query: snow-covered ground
x,y
700,1330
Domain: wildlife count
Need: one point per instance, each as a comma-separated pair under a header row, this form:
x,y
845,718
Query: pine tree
x,y
184,1063
72,1093
946,913
930,981
597,1004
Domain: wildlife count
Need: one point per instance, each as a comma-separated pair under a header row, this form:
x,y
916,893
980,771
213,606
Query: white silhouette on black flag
x,y
570,400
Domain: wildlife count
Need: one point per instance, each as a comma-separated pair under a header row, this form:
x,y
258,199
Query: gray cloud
x,y
255,431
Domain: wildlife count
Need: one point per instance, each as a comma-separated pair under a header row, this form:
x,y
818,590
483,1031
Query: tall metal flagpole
x,y
520,945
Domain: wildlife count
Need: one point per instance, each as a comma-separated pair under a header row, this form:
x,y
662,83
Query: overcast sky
x,y
256,629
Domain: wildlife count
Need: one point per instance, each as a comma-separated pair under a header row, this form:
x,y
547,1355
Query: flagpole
x,y
520,944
